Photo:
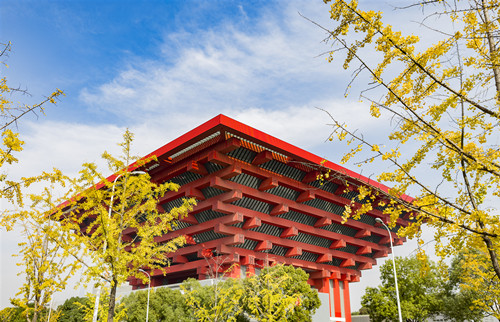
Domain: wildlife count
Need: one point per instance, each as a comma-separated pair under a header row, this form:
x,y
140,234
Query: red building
x,y
259,202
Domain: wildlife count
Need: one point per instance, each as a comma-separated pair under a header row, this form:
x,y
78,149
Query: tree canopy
x,y
280,293
444,103
45,268
116,220
165,305
277,293
426,290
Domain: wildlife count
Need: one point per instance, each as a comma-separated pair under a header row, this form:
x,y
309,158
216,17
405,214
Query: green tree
x,y
21,314
221,301
72,310
426,289
420,286
165,305
116,221
280,293
445,101
379,305
13,314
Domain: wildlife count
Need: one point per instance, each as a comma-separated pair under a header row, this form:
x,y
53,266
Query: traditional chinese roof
x,y
260,199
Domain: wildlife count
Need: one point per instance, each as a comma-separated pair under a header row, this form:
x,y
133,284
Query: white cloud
x,y
272,67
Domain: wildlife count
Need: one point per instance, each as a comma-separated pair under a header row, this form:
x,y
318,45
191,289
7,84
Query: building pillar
x,y
347,302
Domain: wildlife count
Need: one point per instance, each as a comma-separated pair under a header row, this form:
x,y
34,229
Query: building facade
x,y
262,201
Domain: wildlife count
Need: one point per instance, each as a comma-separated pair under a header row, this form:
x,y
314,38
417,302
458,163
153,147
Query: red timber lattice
x,y
259,202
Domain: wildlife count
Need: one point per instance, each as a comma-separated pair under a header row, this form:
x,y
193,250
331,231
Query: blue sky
x,y
161,68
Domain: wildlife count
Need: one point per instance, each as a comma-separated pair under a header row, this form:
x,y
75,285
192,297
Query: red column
x,y
347,302
250,270
233,272
336,299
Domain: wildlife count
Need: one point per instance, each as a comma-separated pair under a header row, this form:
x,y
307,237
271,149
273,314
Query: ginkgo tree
x,y
444,102
45,269
12,144
46,266
116,220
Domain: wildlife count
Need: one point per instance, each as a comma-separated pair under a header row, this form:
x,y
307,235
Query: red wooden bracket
x,y
338,244
320,274
348,262
197,167
323,221
323,258
247,260
233,171
380,253
231,196
311,176
263,245
364,250
252,222
305,196
262,157
294,251
279,209
195,193
289,232
363,233
230,145
268,184
365,266
189,218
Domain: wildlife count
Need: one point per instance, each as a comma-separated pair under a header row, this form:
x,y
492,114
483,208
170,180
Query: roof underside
x,y
285,210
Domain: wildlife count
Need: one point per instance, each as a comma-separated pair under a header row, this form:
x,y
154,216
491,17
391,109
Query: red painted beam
x,y
272,199
299,186
261,258
339,240
231,230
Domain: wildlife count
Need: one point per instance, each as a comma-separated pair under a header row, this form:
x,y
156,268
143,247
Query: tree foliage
x,y
478,288
11,144
221,301
73,309
105,209
165,305
277,293
426,290
280,293
445,100
45,268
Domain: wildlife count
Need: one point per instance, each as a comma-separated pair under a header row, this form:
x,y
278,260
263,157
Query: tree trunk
x,y
112,300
